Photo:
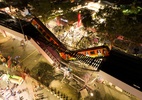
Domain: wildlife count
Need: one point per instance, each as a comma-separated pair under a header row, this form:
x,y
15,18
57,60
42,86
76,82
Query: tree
x,y
87,18
71,16
116,23
51,9
41,8
43,72
17,3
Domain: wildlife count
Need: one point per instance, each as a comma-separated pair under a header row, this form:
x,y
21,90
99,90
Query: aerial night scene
x,y
70,49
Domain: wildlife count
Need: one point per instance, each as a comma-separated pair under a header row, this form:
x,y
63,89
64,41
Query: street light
x,y
91,94
25,37
99,1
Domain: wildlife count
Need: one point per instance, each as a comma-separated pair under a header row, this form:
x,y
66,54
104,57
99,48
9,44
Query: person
x,y
22,43
16,60
9,62
3,60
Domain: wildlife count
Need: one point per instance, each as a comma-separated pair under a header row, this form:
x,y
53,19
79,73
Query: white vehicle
x,y
12,78
4,77
16,79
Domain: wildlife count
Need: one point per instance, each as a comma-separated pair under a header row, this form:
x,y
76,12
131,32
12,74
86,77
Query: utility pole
x,y
22,29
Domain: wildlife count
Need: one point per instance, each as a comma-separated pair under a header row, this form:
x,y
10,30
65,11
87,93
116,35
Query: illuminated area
x,y
75,56
94,6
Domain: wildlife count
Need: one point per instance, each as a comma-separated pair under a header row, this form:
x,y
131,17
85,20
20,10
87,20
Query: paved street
x,y
26,91
29,57
10,47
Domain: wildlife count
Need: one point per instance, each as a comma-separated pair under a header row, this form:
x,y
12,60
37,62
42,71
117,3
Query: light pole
x,y
22,29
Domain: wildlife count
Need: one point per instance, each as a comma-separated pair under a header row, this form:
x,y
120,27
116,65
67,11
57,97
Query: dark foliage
x,y
87,18
43,72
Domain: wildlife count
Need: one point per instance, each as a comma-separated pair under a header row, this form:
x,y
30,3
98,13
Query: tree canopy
x,y
50,9
116,23
87,18
17,3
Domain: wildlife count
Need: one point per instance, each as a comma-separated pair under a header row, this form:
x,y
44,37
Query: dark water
x,y
124,67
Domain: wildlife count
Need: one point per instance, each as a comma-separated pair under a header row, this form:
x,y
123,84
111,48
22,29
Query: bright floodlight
x,y
93,6
91,94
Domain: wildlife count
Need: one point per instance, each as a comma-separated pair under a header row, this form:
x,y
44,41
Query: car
x,y
12,78
4,77
16,79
